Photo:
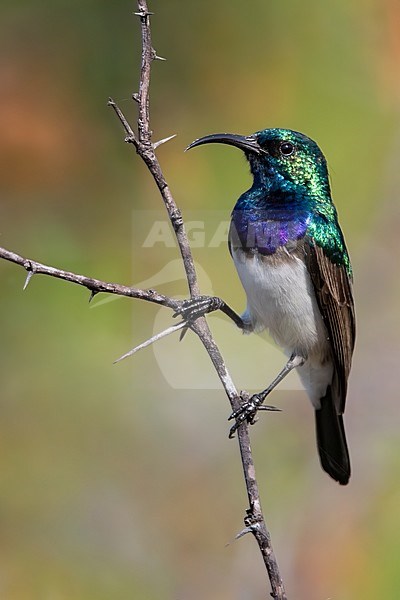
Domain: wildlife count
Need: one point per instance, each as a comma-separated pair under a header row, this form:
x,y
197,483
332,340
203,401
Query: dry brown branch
x,y
95,286
142,142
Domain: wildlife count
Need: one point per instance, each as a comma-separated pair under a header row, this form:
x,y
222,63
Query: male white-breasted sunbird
x,y
292,260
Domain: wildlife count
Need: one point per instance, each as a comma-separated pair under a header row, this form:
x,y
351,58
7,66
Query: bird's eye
x,y
286,148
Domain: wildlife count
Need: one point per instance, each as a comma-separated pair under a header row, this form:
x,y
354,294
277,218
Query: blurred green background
x,y
113,482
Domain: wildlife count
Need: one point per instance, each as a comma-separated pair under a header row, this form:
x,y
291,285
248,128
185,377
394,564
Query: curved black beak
x,y
246,143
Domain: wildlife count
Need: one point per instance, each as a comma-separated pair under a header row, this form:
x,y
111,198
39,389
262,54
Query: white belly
x,y
280,297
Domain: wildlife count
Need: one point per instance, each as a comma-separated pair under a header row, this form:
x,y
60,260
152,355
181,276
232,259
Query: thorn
x,y
110,102
240,534
143,14
155,338
183,333
135,97
92,295
29,276
156,57
164,141
244,532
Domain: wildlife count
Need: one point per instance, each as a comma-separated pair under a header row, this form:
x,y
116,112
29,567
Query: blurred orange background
x,y
119,481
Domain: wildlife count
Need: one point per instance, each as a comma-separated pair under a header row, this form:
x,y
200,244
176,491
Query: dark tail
x,y
331,441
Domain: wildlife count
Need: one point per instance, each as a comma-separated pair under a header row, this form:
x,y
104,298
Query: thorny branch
x,y
145,148
95,286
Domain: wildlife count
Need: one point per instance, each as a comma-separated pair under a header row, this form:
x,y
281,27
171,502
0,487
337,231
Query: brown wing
x,y
333,290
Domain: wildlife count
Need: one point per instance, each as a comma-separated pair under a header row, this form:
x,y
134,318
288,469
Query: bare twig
x,y
254,516
95,286
145,148
254,520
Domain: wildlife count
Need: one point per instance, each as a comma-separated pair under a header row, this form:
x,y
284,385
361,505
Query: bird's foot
x,y
197,307
248,410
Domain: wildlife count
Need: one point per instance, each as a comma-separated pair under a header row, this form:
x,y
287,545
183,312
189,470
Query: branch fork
x,y
254,520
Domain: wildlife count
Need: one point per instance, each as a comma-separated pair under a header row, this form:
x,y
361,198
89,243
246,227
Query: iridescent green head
x,y
294,157
281,158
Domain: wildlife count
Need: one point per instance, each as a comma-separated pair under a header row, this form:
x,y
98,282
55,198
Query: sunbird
x,y
291,258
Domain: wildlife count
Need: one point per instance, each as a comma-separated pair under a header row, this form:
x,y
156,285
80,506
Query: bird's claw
x,y
248,411
197,307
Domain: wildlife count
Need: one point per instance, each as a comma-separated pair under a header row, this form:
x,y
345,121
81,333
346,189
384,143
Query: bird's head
x,y
280,158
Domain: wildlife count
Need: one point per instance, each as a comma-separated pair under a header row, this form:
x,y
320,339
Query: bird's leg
x,y
199,306
248,409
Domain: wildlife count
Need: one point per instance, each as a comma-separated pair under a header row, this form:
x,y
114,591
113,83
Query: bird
x,y
291,258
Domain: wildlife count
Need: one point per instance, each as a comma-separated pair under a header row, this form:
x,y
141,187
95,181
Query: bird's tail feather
x,y
331,440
